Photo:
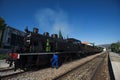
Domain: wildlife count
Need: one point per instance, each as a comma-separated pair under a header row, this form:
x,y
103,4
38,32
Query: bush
x,y
115,47
3,56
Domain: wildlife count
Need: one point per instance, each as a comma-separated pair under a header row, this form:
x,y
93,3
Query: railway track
x,y
85,71
6,69
9,72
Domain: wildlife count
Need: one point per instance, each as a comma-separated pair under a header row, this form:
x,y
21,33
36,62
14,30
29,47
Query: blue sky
x,y
95,21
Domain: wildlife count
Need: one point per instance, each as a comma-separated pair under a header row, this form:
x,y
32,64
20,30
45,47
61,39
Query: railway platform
x,y
115,61
3,64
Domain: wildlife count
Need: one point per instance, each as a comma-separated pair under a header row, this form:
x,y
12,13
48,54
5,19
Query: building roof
x,y
85,42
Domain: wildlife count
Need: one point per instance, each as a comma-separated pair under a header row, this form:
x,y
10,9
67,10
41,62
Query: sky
x,y
95,21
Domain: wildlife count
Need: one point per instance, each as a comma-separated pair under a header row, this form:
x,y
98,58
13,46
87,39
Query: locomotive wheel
x,y
16,65
78,55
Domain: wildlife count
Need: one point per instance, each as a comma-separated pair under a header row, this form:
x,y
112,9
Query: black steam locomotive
x,y
37,49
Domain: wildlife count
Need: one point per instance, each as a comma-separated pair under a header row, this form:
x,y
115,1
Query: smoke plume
x,y
53,20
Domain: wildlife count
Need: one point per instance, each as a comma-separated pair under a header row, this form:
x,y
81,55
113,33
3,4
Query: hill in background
x,y
104,45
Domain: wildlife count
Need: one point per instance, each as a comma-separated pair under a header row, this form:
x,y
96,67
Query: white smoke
x,y
53,20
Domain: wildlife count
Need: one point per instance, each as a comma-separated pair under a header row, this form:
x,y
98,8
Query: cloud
x,y
53,20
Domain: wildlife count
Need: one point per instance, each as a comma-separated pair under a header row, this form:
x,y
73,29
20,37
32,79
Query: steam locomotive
x,y
37,50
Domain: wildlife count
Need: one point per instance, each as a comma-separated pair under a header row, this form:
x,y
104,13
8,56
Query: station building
x,y
11,37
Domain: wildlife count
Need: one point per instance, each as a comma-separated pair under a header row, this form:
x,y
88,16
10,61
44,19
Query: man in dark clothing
x,y
55,61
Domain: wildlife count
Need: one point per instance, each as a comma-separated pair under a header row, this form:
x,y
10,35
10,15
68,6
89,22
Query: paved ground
x,y
3,64
115,60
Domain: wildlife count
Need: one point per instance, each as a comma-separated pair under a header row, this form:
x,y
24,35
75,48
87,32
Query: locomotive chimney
x,y
35,30
26,29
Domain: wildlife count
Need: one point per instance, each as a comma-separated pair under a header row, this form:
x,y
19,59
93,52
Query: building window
x,y
8,41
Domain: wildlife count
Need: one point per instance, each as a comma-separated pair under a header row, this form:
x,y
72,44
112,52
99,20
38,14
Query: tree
x,y
2,23
2,28
115,47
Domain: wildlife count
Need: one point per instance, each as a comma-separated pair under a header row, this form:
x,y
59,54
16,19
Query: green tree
x,y
115,47
2,28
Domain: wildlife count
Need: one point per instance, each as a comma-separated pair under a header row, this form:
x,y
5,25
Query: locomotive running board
x,y
49,53
35,53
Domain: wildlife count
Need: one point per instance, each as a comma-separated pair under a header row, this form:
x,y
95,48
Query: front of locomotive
x,y
23,57
14,52
13,56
